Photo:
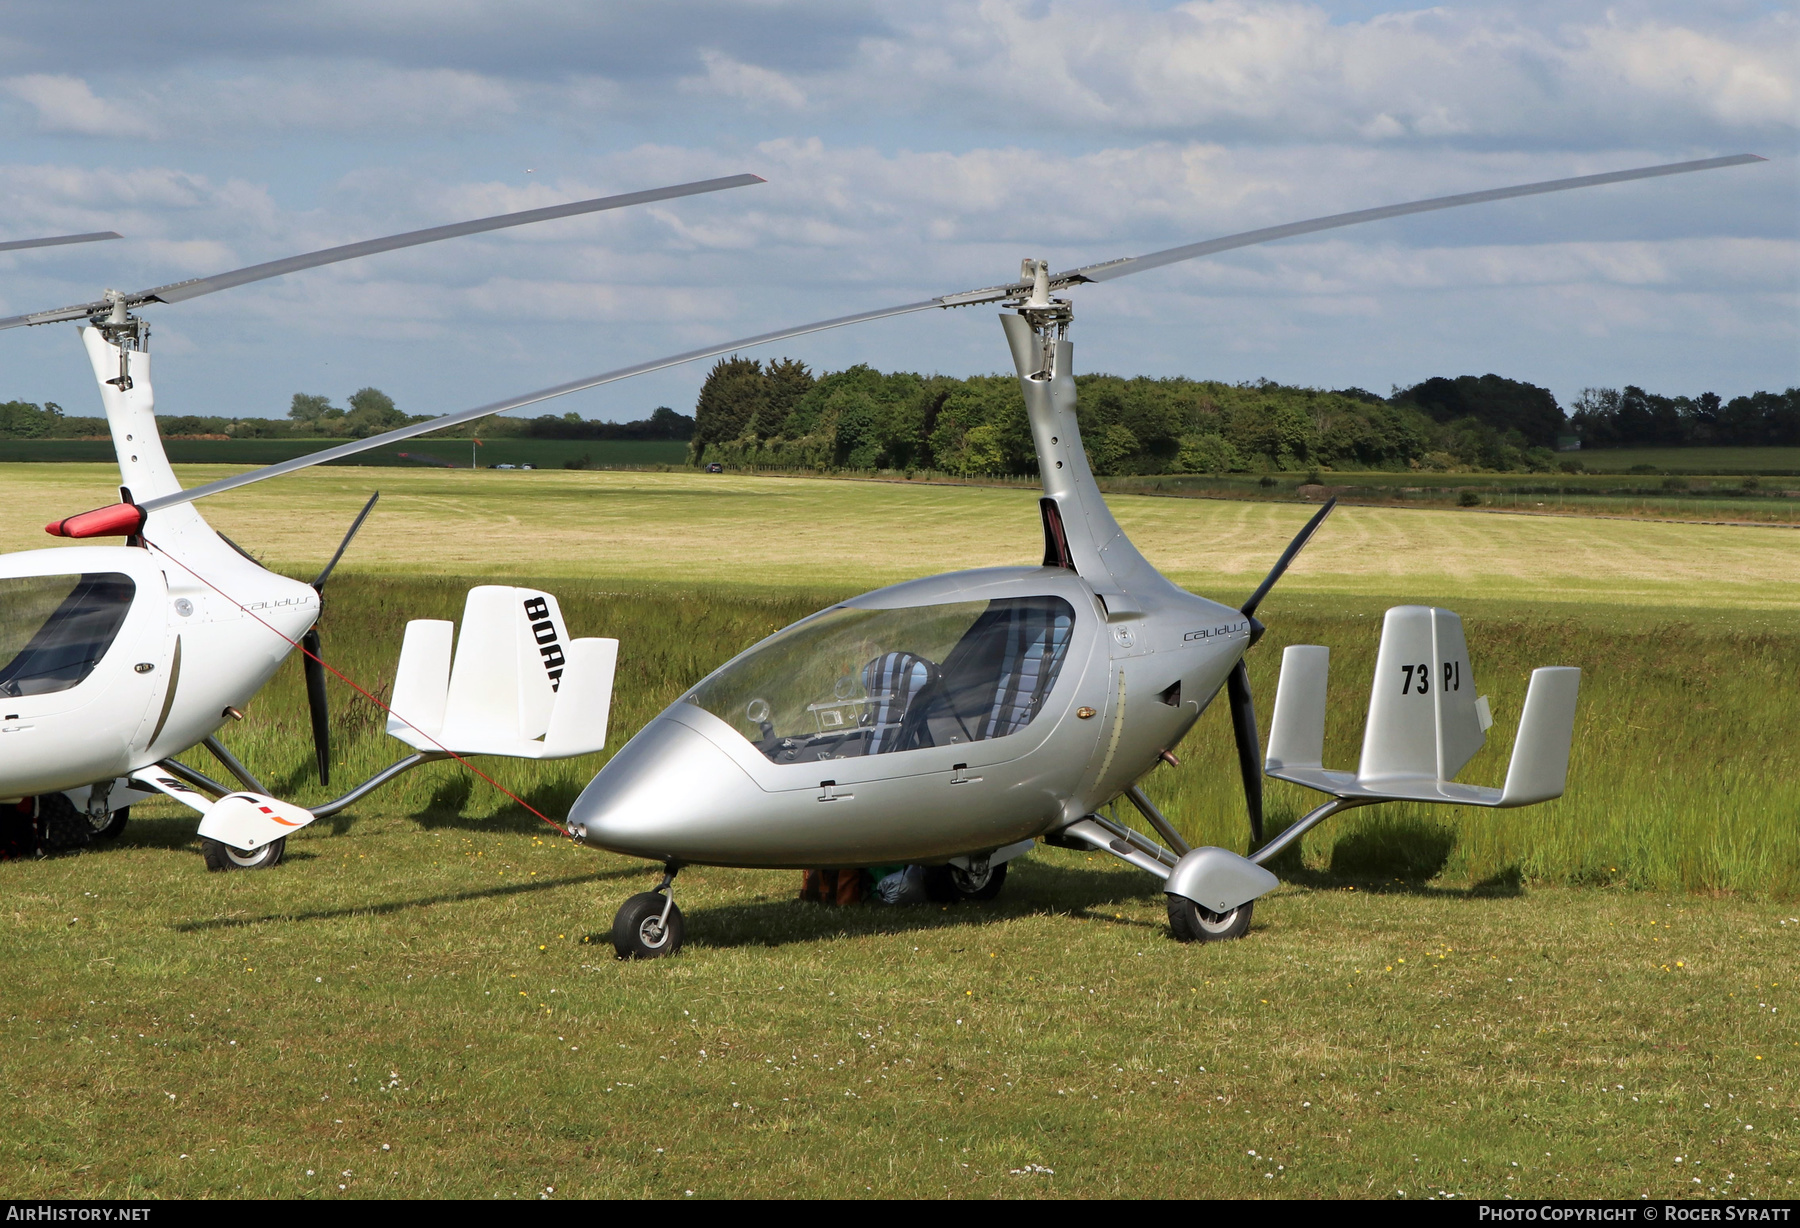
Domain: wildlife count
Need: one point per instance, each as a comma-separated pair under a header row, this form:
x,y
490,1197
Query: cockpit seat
x,y
891,681
1035,641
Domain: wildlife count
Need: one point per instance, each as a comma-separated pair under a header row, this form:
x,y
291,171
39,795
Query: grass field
x,y
456,453
771,534
1696,460
1554,1002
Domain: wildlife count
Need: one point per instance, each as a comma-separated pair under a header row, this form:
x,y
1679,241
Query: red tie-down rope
x,y
357,687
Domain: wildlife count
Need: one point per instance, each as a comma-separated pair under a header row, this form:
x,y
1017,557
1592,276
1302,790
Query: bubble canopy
x,y
851,682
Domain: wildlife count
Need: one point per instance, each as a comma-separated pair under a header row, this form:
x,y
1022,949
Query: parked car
x,y
715,467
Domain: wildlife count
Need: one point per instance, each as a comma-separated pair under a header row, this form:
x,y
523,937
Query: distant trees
x,y
781,414
371,412
1627,417
1508,406
861,418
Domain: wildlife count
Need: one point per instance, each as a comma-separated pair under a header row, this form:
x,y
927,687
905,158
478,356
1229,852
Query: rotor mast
x,y
1037,330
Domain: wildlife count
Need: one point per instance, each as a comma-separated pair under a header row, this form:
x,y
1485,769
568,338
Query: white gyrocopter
x,y
949,722
115,660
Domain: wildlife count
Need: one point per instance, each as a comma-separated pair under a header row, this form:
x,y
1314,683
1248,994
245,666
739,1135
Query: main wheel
x,y
109,827
221,856
640,931
1192,923
949,884
61,827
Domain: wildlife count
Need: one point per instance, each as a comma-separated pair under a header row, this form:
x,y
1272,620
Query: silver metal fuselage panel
x,y
690,788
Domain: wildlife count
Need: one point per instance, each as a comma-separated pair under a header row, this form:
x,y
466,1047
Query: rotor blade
x,y
1249,238
1243,728
1287,556
470,415
319,580
13,245
990,294
181,291
317,703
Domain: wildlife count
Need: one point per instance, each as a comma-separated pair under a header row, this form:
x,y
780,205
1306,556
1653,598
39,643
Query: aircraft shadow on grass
x,y
1033,889
1398,856
389,907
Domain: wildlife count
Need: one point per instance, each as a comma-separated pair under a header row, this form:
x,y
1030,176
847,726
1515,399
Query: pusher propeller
x,y
1237,686
116,303
98,236
1025,293
313,655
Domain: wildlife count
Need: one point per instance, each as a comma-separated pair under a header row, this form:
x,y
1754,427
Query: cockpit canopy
x,y
851,682
55,629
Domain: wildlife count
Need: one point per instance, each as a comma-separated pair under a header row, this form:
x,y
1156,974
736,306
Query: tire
x,y
639,932
949,884
220,856
61,827
1191,923
114,824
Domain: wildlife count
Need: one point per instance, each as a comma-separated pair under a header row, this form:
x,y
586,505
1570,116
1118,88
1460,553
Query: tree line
x,y
781,415
368,411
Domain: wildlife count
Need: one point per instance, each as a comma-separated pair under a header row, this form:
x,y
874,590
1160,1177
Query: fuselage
x,y
113,658
117,657
858,771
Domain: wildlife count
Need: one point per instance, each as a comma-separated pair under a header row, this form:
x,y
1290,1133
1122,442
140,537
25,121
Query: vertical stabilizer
x,y
1425,720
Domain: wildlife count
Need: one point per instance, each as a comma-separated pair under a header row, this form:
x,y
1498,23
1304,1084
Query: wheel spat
x,y
312,648
1237,685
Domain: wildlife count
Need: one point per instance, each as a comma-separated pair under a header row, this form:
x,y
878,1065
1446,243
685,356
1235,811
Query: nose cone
x,y
669,794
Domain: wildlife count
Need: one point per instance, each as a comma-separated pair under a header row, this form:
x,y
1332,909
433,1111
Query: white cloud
x,y
66,105
729,78
1288,71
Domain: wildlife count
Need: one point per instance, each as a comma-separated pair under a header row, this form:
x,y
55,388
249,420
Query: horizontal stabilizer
x,y
1425,721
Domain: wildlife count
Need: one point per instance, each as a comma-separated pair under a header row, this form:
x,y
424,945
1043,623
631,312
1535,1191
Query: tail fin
x,y
1297,734
1540,759
1425,721
515,678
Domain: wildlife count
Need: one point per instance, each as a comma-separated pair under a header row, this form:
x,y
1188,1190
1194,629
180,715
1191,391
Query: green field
x,y
1696,460
455,453
1551,1002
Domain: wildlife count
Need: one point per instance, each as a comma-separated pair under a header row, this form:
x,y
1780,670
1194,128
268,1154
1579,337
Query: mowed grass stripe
x,y
767,534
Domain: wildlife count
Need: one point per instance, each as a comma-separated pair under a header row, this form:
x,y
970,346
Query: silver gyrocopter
x,y
950,722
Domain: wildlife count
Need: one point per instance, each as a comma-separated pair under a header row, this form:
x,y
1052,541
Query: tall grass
x,y
1685,772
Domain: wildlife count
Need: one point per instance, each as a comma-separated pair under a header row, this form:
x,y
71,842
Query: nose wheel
x,y
220,856
648,925
1191,923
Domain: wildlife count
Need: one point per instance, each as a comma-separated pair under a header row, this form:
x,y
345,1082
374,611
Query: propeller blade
x,y
1287,556
1106,271
318,705
319,580
1243,728
181,291
13,245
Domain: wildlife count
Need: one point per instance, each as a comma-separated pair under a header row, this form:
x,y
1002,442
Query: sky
x,y
910,150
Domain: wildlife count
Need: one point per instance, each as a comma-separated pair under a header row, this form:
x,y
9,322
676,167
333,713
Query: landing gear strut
x,y
648,925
